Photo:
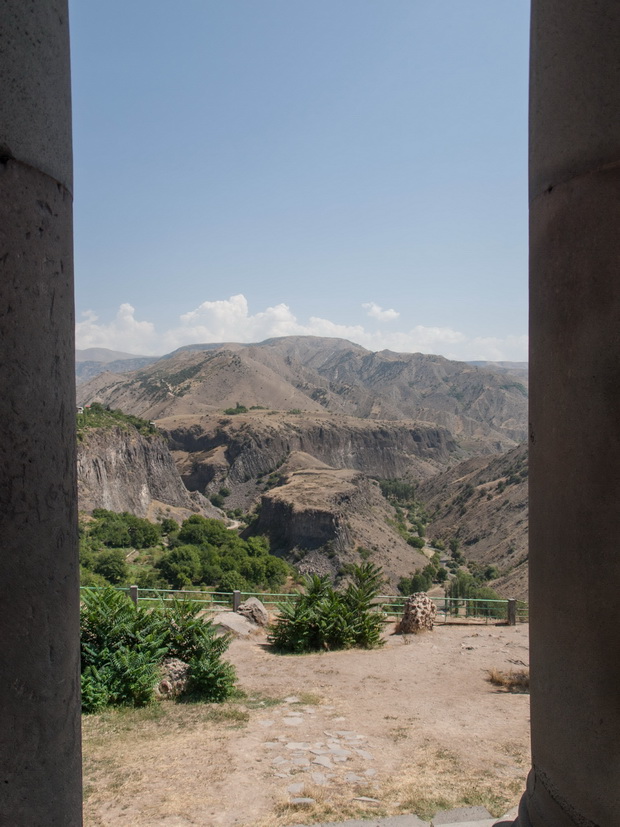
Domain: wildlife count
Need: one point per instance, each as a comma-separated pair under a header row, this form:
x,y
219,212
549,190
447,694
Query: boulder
x,y
254,610
173,678
235,624
418,615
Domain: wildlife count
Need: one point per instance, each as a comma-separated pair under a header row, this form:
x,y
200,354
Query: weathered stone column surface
x,y
575,414
40,758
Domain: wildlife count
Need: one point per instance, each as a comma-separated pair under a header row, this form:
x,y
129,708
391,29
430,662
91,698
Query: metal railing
x,y
449,609
464,609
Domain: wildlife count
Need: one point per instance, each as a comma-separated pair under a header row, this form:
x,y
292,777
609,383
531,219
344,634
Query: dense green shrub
x,y
398,491
181,566
98,416
201,552
238,409
323,618
112,565
226,561
122,647
168,525
124,530
422,579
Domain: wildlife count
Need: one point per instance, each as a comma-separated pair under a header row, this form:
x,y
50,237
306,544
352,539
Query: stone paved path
x,y
336,756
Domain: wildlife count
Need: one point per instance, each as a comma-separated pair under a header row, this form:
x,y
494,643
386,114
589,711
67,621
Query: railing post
x,y
236,600
133,594
512,612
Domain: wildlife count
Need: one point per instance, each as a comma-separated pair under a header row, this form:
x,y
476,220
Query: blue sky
x,y
249,168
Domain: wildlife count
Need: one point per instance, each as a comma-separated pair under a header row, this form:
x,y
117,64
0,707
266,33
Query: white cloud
x,y
376,312
230,320
123,333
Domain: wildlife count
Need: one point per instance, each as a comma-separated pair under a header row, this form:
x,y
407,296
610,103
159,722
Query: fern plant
x,y
123,646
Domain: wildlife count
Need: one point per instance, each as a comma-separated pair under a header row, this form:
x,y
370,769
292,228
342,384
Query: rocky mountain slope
x,y
483,408
240,452
484,505
121,469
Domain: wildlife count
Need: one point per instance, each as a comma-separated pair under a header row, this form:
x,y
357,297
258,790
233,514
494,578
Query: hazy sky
x,y
256,168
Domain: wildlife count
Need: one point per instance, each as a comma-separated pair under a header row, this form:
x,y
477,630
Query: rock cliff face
x,y
238,451
122,470
319,517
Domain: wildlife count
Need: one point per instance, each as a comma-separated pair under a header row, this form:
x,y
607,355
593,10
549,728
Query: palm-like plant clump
x,y
327,619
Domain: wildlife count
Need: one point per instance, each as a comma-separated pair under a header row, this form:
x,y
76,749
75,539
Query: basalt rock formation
x,y
244,453
122,470
324,519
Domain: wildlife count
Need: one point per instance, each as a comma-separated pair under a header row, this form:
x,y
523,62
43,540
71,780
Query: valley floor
x,y
415,726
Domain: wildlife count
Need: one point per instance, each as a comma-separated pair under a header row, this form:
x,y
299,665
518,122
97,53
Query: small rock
x,y
340,751
292,699
353,778
460,814
367,756
174,676
318,778
302,801
296,789
298,745
323,761
370,773
292,721
367,800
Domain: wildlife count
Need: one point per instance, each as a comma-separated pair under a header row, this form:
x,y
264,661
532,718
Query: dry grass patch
x,y
439,781
329,805
512,681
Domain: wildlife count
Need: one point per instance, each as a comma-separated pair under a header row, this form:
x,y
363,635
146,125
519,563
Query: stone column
x,y
575,414
40,757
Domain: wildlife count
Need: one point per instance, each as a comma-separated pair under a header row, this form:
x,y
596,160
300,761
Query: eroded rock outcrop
x,y
123,470
320,518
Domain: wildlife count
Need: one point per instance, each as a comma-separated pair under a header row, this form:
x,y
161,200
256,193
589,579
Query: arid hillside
x,y
483,408
484,505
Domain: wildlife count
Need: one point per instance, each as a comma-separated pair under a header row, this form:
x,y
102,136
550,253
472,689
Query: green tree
x,y
112,565
181,566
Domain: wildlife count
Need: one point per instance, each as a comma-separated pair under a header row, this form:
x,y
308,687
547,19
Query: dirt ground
x,y
414,727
